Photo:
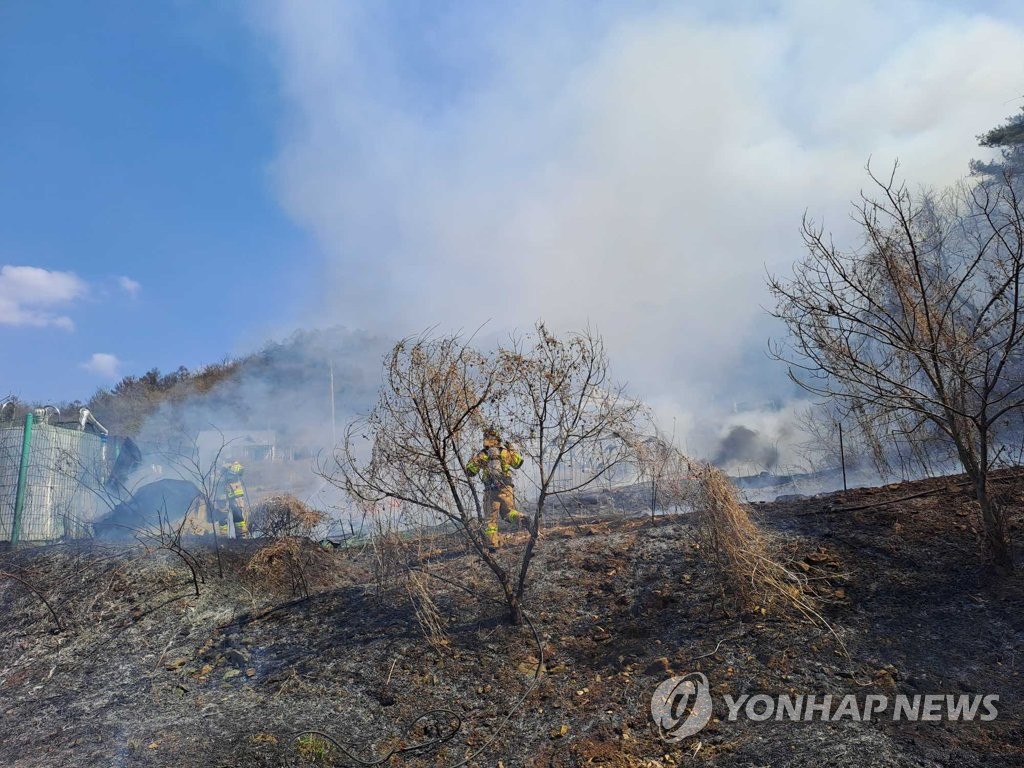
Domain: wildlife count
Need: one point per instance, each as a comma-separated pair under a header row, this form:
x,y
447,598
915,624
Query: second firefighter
x,y
235,509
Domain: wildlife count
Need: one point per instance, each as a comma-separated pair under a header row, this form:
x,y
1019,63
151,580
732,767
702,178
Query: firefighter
x,y
234,500
494,463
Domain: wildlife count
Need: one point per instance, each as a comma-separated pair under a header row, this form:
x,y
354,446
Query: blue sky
x,y
255,167
136,143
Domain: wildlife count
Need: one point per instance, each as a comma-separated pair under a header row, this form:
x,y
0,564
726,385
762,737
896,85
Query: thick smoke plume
x,y
632,167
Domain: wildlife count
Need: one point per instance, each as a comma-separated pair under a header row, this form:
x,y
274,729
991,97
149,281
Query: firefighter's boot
x,y
491,535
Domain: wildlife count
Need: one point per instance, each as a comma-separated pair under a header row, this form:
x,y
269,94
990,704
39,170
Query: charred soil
x,y
143,672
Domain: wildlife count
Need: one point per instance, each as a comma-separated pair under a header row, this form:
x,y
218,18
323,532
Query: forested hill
x,y
285,386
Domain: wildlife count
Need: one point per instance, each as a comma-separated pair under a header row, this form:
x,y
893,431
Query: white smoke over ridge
x,y
635,169
281,395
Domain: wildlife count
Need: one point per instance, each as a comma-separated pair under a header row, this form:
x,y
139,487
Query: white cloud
x,y
635,171
104,365
34,296
129,286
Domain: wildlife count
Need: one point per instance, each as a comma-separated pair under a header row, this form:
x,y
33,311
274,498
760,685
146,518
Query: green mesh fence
x,y
10,459
63,488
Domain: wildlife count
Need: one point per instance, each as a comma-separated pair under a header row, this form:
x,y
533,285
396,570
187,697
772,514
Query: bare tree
x,y
894,444
561,403
922,323
552,395
661,464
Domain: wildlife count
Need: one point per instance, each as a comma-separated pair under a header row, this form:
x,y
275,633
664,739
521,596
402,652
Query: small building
x,y
246,446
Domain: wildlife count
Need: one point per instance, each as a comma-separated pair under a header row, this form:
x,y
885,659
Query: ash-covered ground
x,y
143,672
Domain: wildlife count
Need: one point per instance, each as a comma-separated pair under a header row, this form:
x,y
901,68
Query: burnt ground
x,y
145,673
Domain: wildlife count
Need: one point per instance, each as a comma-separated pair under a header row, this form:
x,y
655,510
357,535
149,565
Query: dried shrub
x,y
284,515
282,565
728,532
917,326
743,552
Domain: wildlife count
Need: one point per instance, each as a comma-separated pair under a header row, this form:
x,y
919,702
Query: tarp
x,y
160,504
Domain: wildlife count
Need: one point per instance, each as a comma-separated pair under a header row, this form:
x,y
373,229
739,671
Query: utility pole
x,y
334,425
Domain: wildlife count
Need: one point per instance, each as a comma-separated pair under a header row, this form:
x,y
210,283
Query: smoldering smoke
x,y
742,445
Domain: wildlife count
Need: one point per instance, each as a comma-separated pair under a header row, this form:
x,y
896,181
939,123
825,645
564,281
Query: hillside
x,y
284,386
145,673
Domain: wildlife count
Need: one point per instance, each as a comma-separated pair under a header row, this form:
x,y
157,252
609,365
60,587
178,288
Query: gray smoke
x,y
274,414
742,445
635,167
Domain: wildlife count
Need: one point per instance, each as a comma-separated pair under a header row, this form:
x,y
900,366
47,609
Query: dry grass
x,y
388,561
427,614
744,553
393,558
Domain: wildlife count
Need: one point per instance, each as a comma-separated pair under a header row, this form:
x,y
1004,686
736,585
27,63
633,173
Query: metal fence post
x,y
19,499
842,454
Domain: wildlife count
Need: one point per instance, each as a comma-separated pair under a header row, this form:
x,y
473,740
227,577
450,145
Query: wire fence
x,y
62,487
10,459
